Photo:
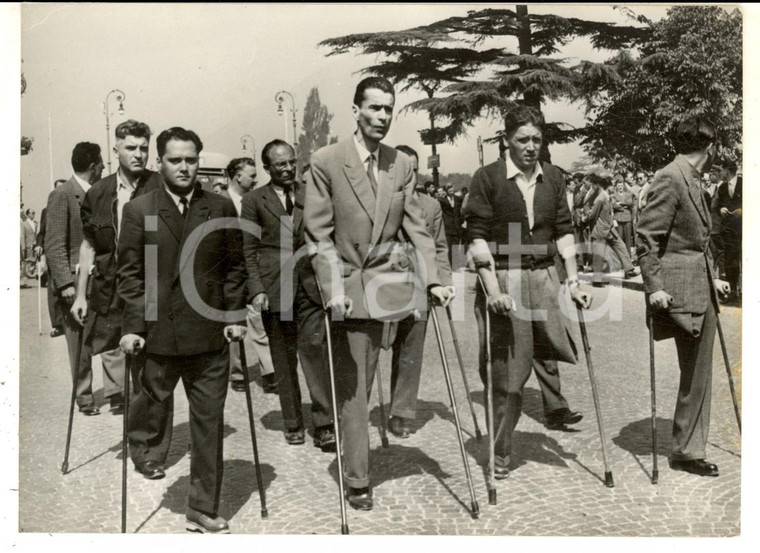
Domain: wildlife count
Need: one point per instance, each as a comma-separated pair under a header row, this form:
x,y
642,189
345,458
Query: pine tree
x,y
315,127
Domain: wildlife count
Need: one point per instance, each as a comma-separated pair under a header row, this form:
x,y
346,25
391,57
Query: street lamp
x,y
280,98
120,97
245,140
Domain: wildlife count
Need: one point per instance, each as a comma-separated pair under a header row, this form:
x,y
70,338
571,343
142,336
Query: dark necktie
x,y
371,174
183,207
288,202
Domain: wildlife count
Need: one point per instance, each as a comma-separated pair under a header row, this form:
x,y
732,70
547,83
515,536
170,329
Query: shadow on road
x,y
636,437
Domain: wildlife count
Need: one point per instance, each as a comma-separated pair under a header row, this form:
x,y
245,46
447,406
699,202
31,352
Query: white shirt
x,y
280,191
123,194
237,200
527,187
364,155
83,183
732,186
176,198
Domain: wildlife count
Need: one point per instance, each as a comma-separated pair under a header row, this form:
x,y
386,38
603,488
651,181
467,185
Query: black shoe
x,y
195,521
699,467
598,284
268,384
117,403
57,331
360,498
238,386
152,470
399,427
556,420
324,438
295,436
89,410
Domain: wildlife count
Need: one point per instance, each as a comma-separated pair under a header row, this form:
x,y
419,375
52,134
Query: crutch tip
x,y
475,509
608,481
344,529
655,476
264,513
64,467
492,497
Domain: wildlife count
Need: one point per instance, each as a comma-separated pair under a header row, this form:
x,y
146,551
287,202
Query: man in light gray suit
x,y
681,285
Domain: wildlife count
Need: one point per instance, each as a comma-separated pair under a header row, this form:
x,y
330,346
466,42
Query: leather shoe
x,y
89,410
117,403
324,438
295,436
238,386
699,467
152,470
195,521
360,498
556,420
56,332
399,427
268,384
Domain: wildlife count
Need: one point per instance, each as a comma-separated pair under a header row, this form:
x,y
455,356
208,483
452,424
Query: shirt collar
x,y
83,183
234,196
175,198
121,182
364,153
733,181
513,170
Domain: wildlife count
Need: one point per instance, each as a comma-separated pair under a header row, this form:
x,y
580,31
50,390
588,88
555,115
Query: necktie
x,y
183,207
371,174
288,202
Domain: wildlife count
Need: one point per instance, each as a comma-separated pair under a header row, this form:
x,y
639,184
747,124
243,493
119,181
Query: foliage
x,y
315,127
690,64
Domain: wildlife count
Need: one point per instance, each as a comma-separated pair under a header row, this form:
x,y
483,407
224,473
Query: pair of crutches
x,y
475,510
608,479
653,387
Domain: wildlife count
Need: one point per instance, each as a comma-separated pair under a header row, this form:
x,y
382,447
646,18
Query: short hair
x,y
237,164
408,151
84,155
730,164
28,211
269,146
522,115
694,134
130,127
579,176
380,83
602,181
177,133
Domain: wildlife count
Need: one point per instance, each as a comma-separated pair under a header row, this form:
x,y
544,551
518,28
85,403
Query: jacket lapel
x,y
274,205
78,191
695,190
385,189
357,178
300,196
170,214
197,215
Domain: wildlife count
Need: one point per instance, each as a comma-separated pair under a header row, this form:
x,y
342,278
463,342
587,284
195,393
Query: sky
x,y
216,69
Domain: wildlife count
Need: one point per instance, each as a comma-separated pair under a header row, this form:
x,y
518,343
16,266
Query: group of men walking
x,y
175,273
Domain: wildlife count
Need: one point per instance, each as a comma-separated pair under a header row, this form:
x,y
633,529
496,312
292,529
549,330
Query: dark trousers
x,y
732,259
204,378
357,347
547,374
81,369
150,424
54,308
614,243
625,228
406,366
691,421
283,344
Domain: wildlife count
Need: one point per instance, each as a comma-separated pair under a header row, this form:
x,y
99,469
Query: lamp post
x,y
247,140
280,98
120,96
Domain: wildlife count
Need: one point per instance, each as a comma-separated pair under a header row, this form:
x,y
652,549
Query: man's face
x,y
132,152
641,179
524,145
282,166
415,169
97,171
246,177
375,114
725,174
716,174
31,215
179,165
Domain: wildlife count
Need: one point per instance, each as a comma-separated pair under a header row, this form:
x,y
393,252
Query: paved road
x,y
419,485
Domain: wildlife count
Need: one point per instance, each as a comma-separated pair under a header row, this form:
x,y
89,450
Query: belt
x,y
525,263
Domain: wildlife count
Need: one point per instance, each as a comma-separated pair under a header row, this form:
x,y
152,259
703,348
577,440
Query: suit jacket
x,y
367,245
99,228
156,291
599,218
277,259
29,235
622,206
731,226
432,213
452,216
63,235
40,239
674,233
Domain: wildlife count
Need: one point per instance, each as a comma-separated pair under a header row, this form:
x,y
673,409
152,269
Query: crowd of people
x,y
150,264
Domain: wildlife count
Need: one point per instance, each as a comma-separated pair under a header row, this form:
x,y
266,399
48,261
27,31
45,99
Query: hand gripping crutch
x,y
489,404
249,404
80,340
475,510
478,435
728,370
652,389
124,438
608,481
336,422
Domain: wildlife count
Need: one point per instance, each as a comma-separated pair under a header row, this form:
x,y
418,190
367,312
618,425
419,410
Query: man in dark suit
x,y
54,308
101,313
181,313
408,344
242,174
360,202
451,207
63,238
678,270
283,289
728,204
